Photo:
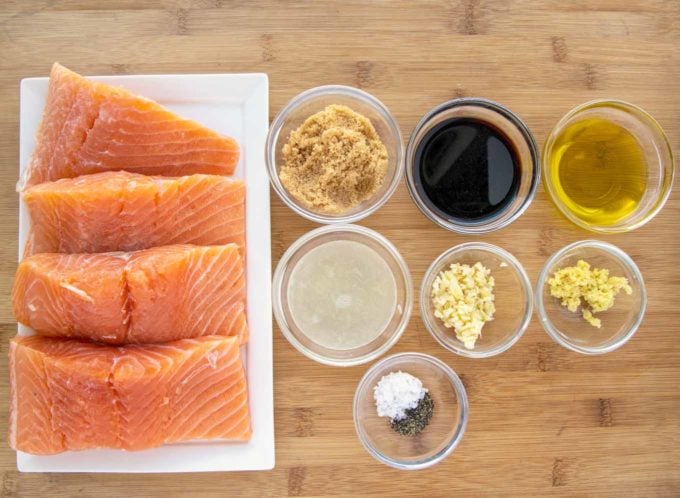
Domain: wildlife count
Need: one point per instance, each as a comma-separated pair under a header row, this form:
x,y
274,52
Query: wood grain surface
x,y
543,421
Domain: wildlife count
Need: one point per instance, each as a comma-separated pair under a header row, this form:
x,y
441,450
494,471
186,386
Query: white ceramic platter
x,y
235,105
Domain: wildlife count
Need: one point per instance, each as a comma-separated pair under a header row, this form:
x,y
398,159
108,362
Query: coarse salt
x,y
397,392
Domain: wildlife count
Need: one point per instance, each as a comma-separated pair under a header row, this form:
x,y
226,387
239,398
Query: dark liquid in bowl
x,y
467,169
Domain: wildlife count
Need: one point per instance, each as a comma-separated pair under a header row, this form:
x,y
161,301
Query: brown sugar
x,y
334,161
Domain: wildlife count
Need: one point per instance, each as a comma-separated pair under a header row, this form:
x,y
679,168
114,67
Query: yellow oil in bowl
x,y
598,170
608,166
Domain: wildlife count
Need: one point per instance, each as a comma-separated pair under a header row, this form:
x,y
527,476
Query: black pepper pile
x,y
416,419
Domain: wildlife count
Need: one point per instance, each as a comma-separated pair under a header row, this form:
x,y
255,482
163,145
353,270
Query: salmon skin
x,y
72,395
120,211
156,295
90,127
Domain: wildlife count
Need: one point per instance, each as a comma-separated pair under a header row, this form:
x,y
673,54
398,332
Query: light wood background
x,y
543,421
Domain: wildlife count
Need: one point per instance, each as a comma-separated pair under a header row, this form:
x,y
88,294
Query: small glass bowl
x,y
438,439
652,139
312,101
513,300
392,331
618,323
510,125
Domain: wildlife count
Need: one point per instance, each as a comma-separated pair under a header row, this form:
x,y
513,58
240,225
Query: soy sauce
x,y
467,169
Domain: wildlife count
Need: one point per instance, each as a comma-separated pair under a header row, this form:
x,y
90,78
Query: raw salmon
x,y
72,395
151,296
120,211
90,127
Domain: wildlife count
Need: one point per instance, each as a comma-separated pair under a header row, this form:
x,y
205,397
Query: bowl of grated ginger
x,y
590,297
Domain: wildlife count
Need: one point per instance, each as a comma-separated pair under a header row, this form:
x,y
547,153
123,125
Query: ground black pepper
x,y
416,419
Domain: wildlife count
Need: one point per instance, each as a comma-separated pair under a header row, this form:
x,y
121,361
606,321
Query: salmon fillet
x,y
90,127
120,211
72,395
156,295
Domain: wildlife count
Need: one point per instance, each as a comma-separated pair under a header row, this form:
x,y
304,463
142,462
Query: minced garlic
x,y
595,288
463,299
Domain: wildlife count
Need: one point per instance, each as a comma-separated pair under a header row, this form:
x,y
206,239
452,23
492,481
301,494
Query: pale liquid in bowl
x,y
342,294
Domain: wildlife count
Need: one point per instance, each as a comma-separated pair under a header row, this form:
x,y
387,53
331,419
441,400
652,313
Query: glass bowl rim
x,y
668,171
271,153
461,396
403,272
495,223
611,250
518,269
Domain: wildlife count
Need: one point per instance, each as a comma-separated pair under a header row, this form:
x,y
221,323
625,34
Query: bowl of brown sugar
x,y
334,154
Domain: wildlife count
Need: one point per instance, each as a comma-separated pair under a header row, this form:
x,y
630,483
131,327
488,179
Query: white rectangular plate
x,y
235,105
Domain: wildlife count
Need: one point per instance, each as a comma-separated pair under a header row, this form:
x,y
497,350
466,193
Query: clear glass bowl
x,y
312,101
438,439
657,151
513,300
510,125
618,323
392,331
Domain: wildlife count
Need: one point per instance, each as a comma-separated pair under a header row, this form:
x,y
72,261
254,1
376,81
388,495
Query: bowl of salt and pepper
x,y
342,293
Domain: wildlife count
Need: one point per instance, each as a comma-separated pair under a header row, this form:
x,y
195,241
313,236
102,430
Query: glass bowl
x,y
438,439
618,323
390,333
656,148
510,125
312,101
513,300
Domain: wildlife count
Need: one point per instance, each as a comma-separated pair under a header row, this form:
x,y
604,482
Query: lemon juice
x,y
342,294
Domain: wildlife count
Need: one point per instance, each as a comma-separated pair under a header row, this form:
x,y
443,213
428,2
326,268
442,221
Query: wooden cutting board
x,y
543,421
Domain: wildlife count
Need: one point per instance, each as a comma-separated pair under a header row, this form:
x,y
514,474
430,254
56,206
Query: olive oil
x,y
599,171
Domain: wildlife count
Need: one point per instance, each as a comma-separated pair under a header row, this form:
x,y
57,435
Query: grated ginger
x,y
463,299
594,290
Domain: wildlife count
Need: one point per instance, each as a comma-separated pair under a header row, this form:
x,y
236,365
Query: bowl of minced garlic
x,y
476,300
463,299
334,154
591,297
